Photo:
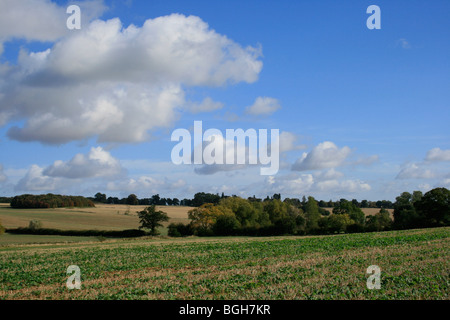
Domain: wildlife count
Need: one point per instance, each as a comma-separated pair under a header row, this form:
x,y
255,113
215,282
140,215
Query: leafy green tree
x,y
379,221
434,207
416,196
339,222
246,212
132,200
226,225
100,197
151,219
405,214
276,210
350,208
312,215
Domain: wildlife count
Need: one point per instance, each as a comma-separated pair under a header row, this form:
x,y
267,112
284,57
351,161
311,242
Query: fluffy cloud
x,y
324,155
230,148
436,154
32,20
97,163
117,83
414,171
263,106
36,180
288,142
41,20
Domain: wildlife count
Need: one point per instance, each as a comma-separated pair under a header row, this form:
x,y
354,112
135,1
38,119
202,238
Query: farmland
x,y
101,217
414,265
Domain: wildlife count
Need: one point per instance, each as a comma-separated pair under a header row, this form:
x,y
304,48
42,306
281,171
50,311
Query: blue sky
x,y
363,114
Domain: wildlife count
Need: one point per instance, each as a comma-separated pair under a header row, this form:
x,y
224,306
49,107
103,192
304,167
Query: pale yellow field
x,y
368,211
102,217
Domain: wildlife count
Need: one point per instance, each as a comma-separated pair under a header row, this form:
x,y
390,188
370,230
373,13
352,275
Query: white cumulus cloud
x,y
97,163
263,106
117,83
36,180
415,171
324,155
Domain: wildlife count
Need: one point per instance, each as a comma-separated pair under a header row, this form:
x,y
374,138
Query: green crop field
x,y
414,265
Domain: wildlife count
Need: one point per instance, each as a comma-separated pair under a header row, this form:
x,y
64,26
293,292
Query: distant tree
x,y
312,215
112,200
434,207
322,204
156,199
132,200
294,202
226,225
179,230
338,223
356,203
202,198
204,217
35,224
379,222
347,207
364,204
100,197
324,212
350,208
303,200
151,219
246,212
416,196
405,214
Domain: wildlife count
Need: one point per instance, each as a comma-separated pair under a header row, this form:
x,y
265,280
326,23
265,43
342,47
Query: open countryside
x,y
159,265
414,265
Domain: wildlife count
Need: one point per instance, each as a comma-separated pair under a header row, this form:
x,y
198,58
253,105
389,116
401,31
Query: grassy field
x,y
102,217
414,264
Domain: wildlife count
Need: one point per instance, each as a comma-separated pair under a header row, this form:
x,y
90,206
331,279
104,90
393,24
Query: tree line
x,y
49,201
201,198
271,216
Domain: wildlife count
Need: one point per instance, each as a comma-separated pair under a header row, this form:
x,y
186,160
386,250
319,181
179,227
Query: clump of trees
x,y
49,201
5,199
417,210
272,216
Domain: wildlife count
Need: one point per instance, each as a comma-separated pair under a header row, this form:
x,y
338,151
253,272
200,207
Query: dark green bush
x,y
131,233
179,230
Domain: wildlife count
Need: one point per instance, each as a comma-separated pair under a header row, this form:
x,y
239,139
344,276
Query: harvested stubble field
x,y
101,217
414,265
